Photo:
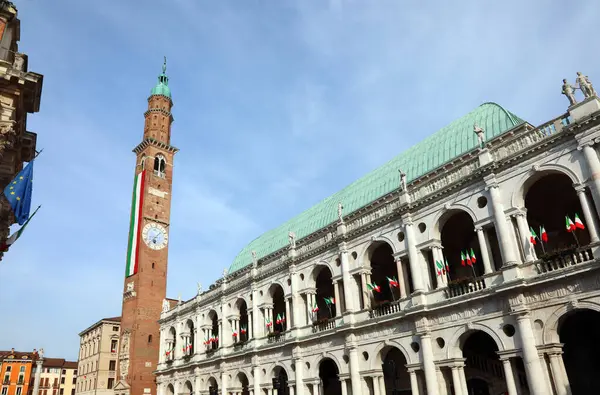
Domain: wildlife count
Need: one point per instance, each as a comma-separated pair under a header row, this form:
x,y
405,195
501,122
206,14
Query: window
x,y
113,345
62,391
53,392
112,366
149,338
8,368
64,371
22,369
159,165
4,390
115,328
20,379
111,383
73,391
62,379
19,389
75,372
6,380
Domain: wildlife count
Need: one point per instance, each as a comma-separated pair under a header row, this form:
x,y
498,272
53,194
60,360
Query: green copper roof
x,y
447,144
162,88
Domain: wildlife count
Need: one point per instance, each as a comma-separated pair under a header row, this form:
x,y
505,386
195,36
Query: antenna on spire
x,y
164,67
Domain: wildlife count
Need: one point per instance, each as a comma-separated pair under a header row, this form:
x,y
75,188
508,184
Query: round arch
x,y
239,302
212,381
383,348
273,287
533,175
368,250
188,387
550,330
321,265
462,333
442,216
170,389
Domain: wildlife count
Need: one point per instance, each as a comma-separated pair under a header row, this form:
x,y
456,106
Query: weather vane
x,y
165,65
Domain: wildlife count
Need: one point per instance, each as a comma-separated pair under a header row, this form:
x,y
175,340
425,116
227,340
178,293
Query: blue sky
x,y
277,105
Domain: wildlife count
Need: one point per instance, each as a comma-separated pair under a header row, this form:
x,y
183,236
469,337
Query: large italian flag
x,y
135,227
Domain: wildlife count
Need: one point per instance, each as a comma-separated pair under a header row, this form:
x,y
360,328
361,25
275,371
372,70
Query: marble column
x,y
456,383
256,379
376,389
560,381
38,374
593,163
346,278
344,386
309,307
414,383
296,300
590,222
223,383
250,325
415,267
221,334
287,313
511,386
255,313
299,376
502,226
401,285
424,265
525,236
429,365
531,359
365,291
463,379
354,366
336,295
197,381
485,256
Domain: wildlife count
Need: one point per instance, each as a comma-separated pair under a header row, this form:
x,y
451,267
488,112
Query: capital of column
x,y
407,221
343,247
581,146
522,314
579,188
490,182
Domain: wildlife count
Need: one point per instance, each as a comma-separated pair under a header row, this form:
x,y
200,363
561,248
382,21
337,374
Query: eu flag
x,y
18,193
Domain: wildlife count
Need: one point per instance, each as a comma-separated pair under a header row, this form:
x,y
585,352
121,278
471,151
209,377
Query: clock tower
x,y
145,282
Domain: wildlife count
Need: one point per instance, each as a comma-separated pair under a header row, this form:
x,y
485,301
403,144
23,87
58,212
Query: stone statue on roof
x,y
292,238
165,305
41,353
340,212
225,272
179,299
585,85
402,180
199,288
569,91
254,259
480,135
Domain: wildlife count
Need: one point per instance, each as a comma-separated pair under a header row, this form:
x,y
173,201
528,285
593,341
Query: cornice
x,y
149,141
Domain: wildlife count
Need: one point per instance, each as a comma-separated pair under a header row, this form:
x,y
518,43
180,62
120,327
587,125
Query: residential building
x,y
57,377
20,94
468,264
98,351
16,371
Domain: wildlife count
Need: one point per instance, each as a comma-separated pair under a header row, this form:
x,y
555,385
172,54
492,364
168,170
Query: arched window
x,y
143,162
160,163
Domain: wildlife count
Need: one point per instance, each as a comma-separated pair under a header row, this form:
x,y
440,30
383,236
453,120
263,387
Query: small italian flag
x,y
243,330
533,236
578,222
315,308
278,319
206,340
569,224
543,234
374,287
473,257
462,258
446,266
329,300
268,323
282,318
15,236
441,270
135,225
234,333
393,282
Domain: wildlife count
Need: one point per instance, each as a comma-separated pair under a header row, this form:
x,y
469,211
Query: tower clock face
x,y
155,236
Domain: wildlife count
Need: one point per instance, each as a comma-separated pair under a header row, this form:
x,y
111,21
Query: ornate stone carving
x,y
402,180
199,288
569,91
480,135
19,62
292,239
340,213
130,286
461,314
254,259
165,305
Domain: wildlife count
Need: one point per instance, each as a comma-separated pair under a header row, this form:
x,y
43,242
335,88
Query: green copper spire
x,y
162,88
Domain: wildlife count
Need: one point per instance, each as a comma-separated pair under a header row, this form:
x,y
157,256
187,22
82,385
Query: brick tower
x,y
146,266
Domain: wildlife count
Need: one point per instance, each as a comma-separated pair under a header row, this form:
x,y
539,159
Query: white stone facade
x,y
518,299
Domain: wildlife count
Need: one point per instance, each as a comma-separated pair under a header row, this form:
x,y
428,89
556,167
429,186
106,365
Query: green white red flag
x,y
393,282
533,236
578,222
329,300
462,258
374,287
135,225
315,308
473,257
440,268
15,236
569,224
543,234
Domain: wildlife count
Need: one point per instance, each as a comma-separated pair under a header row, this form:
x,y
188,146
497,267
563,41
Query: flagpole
x,y
542,241
37,153
576,239
391,291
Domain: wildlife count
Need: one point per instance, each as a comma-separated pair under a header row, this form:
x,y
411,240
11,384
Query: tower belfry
x,y
145,282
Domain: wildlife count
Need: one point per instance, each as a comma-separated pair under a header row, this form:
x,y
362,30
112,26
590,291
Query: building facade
x,y
20,94
16,369
98,355
145,284
57,377
466,265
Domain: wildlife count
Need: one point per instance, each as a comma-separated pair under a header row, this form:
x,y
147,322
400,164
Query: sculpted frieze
x,y
555,291
466,312
517,144
385,331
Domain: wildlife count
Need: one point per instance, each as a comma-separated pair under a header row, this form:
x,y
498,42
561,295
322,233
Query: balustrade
x,y
463,287
563,259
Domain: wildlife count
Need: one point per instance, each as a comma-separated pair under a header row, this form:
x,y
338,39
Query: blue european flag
x,y
18,193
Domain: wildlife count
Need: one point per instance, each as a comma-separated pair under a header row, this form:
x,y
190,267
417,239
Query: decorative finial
x,y
164,67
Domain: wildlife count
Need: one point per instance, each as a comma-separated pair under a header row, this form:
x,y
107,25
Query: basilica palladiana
x,y
466,265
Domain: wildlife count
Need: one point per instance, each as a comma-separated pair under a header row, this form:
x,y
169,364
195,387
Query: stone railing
x,y
464,287
385,309
563,259
324,325
276,337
